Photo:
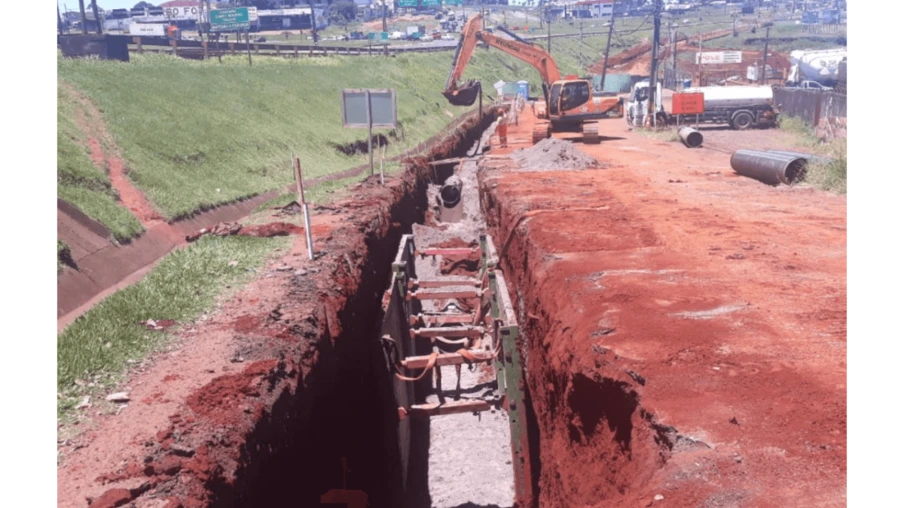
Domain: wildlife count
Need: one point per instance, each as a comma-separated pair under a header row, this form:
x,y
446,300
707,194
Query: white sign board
x,y
719,57
753,73
147,29
253,14
182,13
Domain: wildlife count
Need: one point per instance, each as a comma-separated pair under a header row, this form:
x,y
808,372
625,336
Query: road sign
x,y
384,36
431,3
382,106
408,3
453,2
147,29
687,103
718,57
227,20
369,109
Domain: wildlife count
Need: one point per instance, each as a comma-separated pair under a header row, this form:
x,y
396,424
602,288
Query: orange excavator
x,y
569,105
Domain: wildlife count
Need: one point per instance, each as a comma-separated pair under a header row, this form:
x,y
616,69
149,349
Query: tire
x,y
742,120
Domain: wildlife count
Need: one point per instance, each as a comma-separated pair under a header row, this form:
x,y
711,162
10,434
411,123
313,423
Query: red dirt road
x,y
685,327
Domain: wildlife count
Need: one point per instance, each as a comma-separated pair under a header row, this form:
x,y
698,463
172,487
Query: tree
x,y
144,5
343,11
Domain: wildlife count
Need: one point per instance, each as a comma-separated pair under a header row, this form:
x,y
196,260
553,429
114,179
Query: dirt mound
x,y
551,154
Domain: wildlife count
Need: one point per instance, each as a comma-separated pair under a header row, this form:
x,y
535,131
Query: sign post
x,y
369,108
232,20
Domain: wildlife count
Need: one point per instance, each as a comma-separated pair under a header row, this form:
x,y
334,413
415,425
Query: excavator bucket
x,y
464,96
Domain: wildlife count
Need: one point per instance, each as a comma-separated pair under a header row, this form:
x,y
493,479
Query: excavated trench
x,y
328,399
343,408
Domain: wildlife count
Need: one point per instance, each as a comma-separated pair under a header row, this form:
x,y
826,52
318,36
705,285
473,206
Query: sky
x,y
102,4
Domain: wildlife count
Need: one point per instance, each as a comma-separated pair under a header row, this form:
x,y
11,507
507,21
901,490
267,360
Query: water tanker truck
x,y
820,66
741,107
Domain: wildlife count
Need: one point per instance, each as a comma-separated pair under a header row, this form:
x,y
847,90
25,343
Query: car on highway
x,y
448,37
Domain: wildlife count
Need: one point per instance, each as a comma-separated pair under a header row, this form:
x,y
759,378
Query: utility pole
x,y
765,53
548,32
313,24
97,17
384,15
207,28
581,47
81,8
675,55
59,20
608,45
734,25
657,14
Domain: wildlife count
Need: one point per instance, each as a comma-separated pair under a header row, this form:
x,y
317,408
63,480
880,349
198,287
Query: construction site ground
x,y
686,326
684,340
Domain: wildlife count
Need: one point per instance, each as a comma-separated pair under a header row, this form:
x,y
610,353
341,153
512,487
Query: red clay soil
x,y
257,402
89,120
687,337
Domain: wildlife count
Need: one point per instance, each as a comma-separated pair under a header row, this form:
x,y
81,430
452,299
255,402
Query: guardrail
x,y
195,49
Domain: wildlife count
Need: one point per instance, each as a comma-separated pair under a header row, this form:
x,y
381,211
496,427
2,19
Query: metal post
x,y
59,21
479,102
548,32
81,8
581,47
299,186
384,15
653,64
370,137
248,44
765,53
207,29
382,156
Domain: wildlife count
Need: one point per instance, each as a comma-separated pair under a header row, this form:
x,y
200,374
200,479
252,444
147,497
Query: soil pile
x,y
552,153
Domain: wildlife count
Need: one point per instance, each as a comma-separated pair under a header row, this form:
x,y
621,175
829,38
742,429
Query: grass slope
x,y
96,348
198,133
79,180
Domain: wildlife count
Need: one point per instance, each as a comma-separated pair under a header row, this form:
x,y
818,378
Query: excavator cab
x,y
567,96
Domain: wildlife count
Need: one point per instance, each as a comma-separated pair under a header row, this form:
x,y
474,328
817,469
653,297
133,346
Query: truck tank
x,y
715,97
820,66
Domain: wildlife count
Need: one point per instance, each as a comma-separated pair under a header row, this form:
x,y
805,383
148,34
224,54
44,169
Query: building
x,y
593,8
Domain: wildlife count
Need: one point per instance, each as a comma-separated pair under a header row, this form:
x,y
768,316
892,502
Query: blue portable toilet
x,y
523,89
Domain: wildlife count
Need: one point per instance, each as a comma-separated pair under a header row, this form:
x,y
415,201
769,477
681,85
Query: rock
x,y
84,403
118,397
301,272
111,499
733,420
182,450
284,268
658,497
233,263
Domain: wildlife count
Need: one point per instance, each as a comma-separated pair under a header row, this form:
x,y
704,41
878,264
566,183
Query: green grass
x,y
831,175
63,253
97,347
187,128
81,182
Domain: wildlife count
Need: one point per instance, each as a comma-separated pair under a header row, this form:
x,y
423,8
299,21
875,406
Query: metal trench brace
x,y
486,334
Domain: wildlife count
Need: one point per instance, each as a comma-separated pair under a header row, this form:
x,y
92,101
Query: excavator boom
x,y
465,94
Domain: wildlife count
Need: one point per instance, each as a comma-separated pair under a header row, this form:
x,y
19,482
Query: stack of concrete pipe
x,y
692,138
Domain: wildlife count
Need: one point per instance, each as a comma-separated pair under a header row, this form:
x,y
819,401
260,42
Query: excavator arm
x,y
465,94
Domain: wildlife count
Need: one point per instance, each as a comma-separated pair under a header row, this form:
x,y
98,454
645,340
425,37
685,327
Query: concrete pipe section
x,y
451,191
808,156
692,138
770,168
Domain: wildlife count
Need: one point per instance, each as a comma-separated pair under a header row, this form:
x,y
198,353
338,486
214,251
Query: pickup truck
x,y
812,85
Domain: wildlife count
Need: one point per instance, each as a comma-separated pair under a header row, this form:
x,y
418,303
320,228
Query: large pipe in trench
x,y
451,191
770,168
692,138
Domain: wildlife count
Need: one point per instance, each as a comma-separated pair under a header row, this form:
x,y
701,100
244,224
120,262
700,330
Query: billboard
x,y
719,57
355,108
687,103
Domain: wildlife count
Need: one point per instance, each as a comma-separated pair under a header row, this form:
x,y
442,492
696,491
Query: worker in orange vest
x,y
171,31
502,130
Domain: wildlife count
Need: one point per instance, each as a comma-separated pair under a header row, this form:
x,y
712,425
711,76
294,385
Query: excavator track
x,y
591,133
541,131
